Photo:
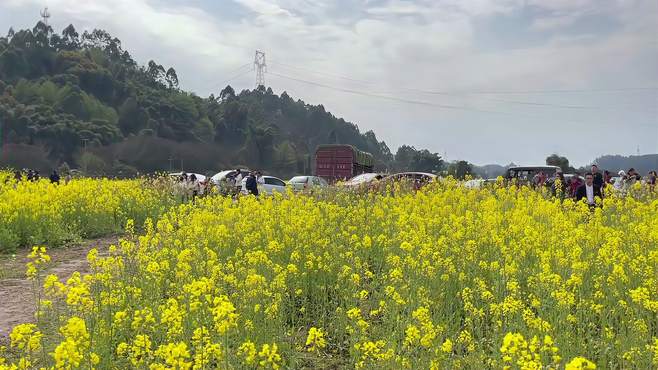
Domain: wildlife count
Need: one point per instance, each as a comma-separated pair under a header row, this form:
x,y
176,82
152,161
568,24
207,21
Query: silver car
x,y
300,183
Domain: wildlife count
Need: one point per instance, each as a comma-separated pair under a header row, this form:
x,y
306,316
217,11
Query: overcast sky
x,y
486,81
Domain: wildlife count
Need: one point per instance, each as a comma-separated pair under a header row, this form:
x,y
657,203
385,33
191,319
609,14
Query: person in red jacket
x,y
575,183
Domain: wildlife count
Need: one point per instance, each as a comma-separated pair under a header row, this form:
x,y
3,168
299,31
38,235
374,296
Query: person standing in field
x,y
54,177
633,176
620,183
252,184
607,177
182,187
589,191
576,182
598,177
238,181
194,187
651,180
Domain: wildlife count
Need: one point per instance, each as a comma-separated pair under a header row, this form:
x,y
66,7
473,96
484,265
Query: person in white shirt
x,y
620,183
589,190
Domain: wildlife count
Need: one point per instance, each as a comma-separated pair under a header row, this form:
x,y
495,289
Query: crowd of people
x,y
592,185
235,183
33,175
242,182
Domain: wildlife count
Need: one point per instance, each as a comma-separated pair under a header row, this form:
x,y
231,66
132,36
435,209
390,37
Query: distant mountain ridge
x,y
642,163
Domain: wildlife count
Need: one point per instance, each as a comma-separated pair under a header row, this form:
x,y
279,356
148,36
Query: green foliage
x,y
70,91
460,170
408,158
562,162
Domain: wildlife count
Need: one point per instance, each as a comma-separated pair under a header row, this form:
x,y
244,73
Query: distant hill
x,y
642,163
82,100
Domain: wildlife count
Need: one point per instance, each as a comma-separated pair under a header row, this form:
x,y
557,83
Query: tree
x,y
91,164
227,94
562,162
41,34
63,91
460,169
171,78
70,38
155,71
408,158
425,161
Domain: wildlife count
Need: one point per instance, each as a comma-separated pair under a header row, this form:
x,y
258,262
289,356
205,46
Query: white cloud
x,y
423,44
555,22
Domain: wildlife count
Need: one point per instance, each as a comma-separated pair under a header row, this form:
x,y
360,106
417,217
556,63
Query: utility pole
x,y
171,164
45,14
261,68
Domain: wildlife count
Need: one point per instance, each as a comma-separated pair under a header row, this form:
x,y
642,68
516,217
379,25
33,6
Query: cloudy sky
x,y
487,81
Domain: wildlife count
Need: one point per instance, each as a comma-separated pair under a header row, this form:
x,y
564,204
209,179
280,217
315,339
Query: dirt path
x,y
17,293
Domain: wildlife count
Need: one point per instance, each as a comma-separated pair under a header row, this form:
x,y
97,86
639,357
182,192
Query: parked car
x,y
526,174
475,183
418,179
268,186
299,183
220,176
364,179
225,187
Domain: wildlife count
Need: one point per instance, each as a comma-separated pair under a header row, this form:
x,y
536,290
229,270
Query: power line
x,y
462,94
386,97
235,76
556,91
321,73
416,102
476,92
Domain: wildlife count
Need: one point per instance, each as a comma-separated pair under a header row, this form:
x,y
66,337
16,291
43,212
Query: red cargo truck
x,y
341,162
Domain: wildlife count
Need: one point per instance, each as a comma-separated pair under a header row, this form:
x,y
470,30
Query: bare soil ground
x,y
17,294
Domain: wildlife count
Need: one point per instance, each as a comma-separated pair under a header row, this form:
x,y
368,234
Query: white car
x,y
299,183
218,177
363,179
266,185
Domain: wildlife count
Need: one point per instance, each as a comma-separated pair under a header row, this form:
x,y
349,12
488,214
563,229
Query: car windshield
x,y
299,179
274,181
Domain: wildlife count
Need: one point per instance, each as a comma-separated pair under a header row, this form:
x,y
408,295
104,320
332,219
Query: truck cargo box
x,y
341,162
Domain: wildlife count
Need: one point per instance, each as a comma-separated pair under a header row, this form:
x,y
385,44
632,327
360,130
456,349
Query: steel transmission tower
x,y
45,14
261,68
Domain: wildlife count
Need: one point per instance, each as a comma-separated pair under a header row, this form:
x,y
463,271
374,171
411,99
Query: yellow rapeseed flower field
x,y
443,278
34,213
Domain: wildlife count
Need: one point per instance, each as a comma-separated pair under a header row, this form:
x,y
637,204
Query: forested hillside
x,y
82,100
642,163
